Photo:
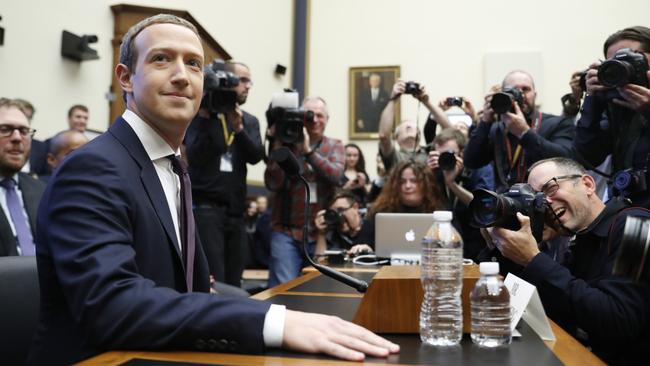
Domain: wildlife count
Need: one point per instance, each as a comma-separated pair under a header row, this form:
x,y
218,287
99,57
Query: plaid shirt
x,y
324,167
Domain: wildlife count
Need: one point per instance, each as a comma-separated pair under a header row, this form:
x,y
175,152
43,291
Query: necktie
x,y
187,219
24,234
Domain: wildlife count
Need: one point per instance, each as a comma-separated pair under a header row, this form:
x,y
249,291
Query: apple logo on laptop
x,y
410,236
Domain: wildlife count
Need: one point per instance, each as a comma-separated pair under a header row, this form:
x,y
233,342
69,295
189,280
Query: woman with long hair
x,y
411,188
355,178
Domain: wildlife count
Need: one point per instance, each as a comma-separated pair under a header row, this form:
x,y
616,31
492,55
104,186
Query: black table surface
x,y
527,350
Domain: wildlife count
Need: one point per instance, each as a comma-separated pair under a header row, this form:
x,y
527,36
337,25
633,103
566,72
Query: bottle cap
x,y
489,268
442,215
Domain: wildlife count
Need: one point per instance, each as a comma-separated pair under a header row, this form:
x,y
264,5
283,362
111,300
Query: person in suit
x,y
371,102
37,163
115,236
62,144
19,192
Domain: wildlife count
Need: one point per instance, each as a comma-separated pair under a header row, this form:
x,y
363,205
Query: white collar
x,y
155,146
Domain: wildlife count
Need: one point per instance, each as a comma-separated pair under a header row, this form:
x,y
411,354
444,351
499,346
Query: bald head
x,y
62,144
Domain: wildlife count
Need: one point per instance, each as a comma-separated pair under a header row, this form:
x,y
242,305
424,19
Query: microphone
x,y
289,164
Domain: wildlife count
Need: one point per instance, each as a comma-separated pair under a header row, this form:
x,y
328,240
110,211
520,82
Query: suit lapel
x,y
127,137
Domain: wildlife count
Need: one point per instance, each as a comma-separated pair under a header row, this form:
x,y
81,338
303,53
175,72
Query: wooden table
x,y
307,290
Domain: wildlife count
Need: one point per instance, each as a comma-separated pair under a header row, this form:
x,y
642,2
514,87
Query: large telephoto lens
x,y
615,73
630,261
490,209
501,103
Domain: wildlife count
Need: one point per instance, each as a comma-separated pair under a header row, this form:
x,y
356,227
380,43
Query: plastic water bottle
x,y
490,302
441,314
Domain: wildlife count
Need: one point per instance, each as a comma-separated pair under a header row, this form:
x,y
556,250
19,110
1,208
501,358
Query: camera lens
x,y
490,209
615,73
501,103
332,218
447,160
630,261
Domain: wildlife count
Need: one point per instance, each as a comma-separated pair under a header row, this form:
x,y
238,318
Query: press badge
x,y
226,163
313,194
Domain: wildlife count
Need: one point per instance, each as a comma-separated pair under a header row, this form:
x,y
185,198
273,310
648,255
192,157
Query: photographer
x,y
523,136
446,161
219,142
609,313
407,134
322,160
616,113
340,226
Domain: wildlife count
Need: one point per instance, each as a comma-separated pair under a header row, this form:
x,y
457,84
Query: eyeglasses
x,y
8,130
246,81
551,186
341,210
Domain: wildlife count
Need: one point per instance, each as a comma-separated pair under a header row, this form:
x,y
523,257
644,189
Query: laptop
x,y
399,235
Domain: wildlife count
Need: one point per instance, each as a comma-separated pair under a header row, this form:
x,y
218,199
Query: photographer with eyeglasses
x,y
20,192
616,113
512,133
341,227
608,313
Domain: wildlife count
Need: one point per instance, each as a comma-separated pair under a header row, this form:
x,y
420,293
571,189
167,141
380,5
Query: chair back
x,y
19,306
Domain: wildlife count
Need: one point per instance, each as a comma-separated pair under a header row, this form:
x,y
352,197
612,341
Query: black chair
x,y
19,305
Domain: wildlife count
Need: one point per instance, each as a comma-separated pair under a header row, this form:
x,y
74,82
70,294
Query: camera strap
x,y
516,158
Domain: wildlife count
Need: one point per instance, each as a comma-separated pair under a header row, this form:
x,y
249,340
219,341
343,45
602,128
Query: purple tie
x,y
187,219
24,234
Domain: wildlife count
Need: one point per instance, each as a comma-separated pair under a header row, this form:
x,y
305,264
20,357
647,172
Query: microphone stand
x,y
355,283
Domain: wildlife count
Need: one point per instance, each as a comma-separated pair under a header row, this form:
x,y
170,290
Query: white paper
x,y
526,304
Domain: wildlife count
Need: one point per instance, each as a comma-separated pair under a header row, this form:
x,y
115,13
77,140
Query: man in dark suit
x,y
115,240
19,192
371,103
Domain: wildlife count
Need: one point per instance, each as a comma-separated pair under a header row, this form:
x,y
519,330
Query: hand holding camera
x,y
488,112
516,122
519,246
398,89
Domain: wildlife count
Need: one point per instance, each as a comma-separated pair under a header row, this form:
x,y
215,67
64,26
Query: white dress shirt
x,y
158,149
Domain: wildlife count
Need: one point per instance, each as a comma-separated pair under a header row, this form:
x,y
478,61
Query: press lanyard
x,y
227,136
514,159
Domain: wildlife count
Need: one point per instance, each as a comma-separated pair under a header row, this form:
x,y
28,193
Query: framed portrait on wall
x,y
370,89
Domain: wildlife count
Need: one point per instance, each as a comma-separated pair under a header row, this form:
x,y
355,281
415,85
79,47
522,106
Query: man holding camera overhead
x,y
407,133
512,133
616,113
220,141
322,161
607,312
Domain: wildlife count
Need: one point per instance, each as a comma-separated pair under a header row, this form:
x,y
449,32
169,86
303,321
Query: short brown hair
x,y
80,107
638,33
449,134
16,103
128,53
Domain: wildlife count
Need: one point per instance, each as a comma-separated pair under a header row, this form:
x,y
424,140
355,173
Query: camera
x,y
333,219
218,95
491,209
454,101
502,102
447,160
630,260
629,181
625,67
288,118
412,87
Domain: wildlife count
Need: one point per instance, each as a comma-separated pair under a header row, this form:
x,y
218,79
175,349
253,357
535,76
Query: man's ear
x,y
589,182
124,77
51,161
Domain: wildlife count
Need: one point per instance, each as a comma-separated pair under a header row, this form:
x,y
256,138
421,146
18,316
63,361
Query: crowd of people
x,y
102,201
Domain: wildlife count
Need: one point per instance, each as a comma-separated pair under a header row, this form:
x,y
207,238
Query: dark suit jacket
x,y
32,190
38,157
370,111
110,270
